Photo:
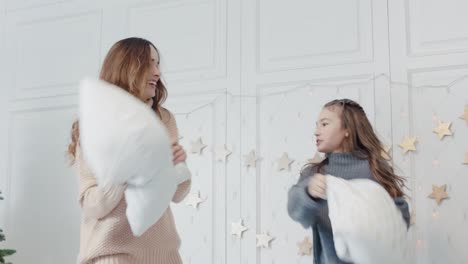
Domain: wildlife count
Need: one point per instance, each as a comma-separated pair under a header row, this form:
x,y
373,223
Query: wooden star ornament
x,y
251,159
222,152
284,162
305,247
237,229
443,129
197,146
464,116
194,200
263,240
316,159
408,144
439,193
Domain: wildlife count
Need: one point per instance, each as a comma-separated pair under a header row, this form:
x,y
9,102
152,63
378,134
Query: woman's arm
x,y
302,207
95,202
183,188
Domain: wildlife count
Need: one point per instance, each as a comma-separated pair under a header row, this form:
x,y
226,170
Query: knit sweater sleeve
x,y
401,203
302,207
95,202
183,188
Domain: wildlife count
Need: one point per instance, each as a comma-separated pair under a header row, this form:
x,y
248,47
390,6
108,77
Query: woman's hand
x,y
178,153
318,186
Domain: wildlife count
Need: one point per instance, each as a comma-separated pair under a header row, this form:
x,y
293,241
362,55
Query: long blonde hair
x,y
363,138
126,65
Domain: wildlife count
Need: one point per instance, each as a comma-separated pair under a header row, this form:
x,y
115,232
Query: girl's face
x,y
329,133
153,77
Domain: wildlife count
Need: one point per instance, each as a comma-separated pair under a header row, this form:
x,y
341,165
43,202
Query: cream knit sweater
x,y
105,235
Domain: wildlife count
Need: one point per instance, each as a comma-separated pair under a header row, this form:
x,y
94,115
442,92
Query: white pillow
x,y
123,141
368,227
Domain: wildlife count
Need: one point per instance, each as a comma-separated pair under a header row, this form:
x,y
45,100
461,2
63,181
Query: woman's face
x,y
153,77
329,133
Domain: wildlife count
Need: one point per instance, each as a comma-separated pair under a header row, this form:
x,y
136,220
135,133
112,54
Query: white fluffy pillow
x,y
123,141
367,226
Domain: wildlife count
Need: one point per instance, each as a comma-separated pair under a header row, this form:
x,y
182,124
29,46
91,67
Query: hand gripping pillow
x,y
123,141
367,226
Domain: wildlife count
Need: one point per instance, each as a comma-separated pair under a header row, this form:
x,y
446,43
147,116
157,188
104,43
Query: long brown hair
x,y
364,143
127,66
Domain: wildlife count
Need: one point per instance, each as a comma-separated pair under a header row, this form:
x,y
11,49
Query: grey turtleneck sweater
x,y
313,213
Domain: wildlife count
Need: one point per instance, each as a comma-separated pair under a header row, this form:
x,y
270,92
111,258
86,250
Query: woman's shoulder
x,y
166,115
169,121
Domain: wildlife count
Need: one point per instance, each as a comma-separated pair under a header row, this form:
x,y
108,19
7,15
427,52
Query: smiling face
x,y
330,134
133,65
149,91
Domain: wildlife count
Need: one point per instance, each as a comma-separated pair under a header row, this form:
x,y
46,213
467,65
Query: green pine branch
x,y
4,252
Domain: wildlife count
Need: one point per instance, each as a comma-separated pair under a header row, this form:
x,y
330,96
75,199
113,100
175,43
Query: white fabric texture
x,y
123,141
368,227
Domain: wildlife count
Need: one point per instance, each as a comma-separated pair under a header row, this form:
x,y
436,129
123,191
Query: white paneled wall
x,y
205,226
428,51
249,74
49,54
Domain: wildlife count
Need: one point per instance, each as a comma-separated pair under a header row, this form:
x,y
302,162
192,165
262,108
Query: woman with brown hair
x,y
353,151
106,237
